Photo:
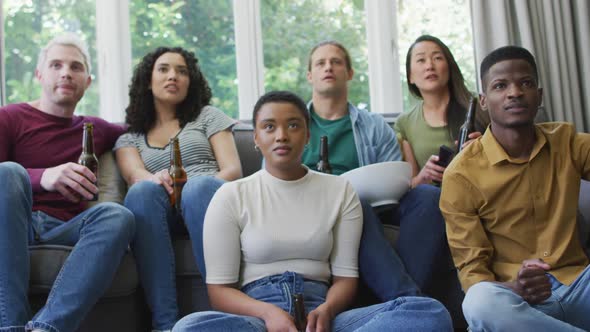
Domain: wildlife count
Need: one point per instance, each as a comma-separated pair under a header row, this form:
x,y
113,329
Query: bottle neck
x,y
175,159
324,154
87,141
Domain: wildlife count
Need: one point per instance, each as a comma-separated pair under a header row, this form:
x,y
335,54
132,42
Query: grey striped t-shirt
x,y
195,149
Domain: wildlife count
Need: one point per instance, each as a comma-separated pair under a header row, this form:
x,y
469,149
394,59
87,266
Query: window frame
x,y
2,74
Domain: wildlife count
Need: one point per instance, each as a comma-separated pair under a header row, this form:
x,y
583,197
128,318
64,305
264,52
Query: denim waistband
x,y
278,289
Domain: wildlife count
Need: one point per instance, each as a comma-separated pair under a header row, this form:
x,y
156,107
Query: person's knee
x,y
426,195
12,173
143,190
427,190
117,220
484,302
214,320
200,186
187,322
435,308
432,312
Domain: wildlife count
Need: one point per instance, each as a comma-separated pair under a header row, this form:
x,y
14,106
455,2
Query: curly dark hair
x,y
141,112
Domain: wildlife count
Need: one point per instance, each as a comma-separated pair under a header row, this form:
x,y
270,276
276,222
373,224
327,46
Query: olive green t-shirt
x,y
341,147
424,139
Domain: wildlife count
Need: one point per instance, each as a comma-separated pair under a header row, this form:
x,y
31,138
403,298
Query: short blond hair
x,y
66,39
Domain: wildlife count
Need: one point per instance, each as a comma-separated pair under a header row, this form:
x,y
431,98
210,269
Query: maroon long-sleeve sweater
x,y
38,140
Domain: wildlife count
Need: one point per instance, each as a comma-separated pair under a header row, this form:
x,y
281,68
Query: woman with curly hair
x,y
169,97
435,78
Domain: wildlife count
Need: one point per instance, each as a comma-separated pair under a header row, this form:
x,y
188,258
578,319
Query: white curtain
x,y
557,32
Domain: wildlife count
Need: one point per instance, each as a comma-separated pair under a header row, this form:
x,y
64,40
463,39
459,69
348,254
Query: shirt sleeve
x,y
399,128
216,121
221,237
581,151
347,236
387,147
126,140
470,247
6,136
7,142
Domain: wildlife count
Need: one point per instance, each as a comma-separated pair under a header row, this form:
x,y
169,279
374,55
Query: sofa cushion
x,y
110,182
250,159
47,260
185,260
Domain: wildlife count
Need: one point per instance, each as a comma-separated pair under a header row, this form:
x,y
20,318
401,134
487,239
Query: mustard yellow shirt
x,y
500,211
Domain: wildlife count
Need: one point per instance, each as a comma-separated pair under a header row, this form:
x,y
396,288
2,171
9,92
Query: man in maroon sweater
x,y
43,196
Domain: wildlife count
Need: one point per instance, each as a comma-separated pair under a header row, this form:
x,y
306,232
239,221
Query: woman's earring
x,y
256,148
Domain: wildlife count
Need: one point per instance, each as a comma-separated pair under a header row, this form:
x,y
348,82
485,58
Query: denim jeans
x,y
401,314
424,264
152,244
492,307
99,235
423,248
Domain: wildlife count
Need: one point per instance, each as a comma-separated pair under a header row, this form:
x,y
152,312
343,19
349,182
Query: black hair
x,y
459,94
141,112
507,53
333,43
281,97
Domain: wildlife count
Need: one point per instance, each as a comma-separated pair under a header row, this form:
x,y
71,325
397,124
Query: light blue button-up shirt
x,y
375,140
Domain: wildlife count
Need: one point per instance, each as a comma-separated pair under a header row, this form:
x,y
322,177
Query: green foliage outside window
x,y
205,27
290,28
450,21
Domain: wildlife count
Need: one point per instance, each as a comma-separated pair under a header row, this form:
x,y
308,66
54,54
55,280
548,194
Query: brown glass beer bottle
x,y
300,318
88,158
177,173
323,164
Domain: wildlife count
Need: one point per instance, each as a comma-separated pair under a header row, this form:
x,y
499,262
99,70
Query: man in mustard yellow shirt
x,y
509,201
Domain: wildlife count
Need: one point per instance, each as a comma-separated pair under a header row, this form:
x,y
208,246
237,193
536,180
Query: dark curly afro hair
x,y
141,112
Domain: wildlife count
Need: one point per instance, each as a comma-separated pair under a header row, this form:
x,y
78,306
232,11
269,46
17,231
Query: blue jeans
x,y
424,255
492,307
401,314
152,244
423,248
99,235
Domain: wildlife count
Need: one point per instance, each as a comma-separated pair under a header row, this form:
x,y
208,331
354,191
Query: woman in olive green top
x,y
434,77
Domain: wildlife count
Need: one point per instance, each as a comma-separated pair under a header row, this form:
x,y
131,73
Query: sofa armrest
x,y
584,215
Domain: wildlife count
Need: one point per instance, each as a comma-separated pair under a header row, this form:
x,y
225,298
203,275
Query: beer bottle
x,y
300,318
177,173
468,125
323,164
88,158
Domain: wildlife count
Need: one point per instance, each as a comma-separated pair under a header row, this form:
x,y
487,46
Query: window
x,y
271,37
204,27
28,26
448,20
290,28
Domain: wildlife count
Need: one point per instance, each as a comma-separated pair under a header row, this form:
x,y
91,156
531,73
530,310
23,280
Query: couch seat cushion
x,y
47,260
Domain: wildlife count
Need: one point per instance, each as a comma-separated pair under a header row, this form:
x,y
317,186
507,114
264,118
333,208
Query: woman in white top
x,y
287,230
169,97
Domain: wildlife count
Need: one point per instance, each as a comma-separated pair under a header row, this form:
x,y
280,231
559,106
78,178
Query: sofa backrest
x,y
251,159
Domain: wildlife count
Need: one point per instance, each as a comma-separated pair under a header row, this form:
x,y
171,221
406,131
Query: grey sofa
x,y
122,307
